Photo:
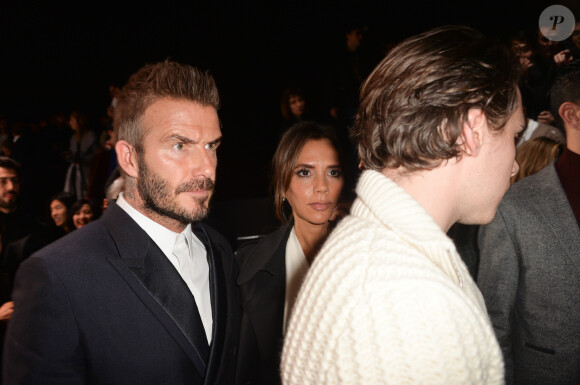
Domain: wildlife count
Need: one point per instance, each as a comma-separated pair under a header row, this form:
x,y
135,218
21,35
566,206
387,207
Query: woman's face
x,y
58,212
83,216
73,123
316,183
296,103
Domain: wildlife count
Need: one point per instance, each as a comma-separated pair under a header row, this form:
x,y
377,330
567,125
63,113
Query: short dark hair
x,y
415,102
288,152
10,164
565,88
153,82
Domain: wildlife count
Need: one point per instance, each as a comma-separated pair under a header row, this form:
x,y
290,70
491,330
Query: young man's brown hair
x,y
415,102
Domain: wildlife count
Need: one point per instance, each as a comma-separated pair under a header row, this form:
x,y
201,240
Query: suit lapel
x,y
156,282
159,277
219,302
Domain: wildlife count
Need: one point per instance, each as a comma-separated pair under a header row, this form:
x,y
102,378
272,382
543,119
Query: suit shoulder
x,y
268,242
77,243
535,186
254,255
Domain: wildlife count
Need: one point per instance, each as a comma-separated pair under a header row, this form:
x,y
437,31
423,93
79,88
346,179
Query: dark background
x,y
59,57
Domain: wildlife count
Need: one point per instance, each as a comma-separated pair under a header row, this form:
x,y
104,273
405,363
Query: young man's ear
x,y
474,130
570,114
127,158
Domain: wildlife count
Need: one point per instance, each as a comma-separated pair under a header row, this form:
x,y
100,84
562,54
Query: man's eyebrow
x,y
191,141
182,138
216,141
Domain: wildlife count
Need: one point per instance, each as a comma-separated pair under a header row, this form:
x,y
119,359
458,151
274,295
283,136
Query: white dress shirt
x,y
195,273
296,269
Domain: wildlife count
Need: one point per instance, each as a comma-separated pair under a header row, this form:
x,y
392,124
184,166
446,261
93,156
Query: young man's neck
x,y
431,189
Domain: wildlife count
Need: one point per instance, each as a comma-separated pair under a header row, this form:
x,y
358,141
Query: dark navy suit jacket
x,y
104,305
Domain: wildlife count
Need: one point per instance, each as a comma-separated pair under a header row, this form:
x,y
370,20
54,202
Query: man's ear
x,y
127,158
474,130
570,114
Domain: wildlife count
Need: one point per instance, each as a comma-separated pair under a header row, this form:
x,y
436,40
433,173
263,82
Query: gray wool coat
x,y
529,274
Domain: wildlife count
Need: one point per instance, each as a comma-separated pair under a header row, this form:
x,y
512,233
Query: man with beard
x,y
20,235
10,219
15,223
146,294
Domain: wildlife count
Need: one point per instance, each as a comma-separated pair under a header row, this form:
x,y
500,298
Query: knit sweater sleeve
x,y
373,312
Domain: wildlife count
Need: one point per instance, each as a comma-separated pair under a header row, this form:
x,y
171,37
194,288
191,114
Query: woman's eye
x,y
303,172
335,172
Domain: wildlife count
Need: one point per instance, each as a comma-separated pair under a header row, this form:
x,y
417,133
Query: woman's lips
x,y
321,206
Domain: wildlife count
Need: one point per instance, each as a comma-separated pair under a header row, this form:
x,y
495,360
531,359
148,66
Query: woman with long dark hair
x,y
307,182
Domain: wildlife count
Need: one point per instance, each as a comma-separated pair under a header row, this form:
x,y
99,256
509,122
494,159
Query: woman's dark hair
x,y
83,123
287,154
66,199
77,205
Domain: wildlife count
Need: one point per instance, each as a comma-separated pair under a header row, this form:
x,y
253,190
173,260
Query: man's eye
x,y
179,146
212,146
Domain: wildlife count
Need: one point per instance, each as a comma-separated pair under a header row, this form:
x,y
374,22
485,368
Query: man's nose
x,y
204,163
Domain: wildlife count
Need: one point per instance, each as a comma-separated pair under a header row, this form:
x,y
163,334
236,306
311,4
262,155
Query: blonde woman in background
x,y
536,154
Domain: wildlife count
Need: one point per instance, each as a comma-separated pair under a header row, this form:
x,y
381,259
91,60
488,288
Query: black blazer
x,y
262,283
103,305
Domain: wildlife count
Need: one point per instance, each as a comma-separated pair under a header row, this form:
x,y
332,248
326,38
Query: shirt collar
x,y
162,236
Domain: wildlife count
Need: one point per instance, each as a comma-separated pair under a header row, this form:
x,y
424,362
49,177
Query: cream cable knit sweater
x,y
389,301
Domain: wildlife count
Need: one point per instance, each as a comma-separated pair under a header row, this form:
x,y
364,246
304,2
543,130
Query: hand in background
x,y
6,311
545,117
563,57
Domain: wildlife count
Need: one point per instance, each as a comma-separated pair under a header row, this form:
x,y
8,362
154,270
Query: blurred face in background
x,y
58,212
296,103
74,124
9,189
316,183
83,216
354,39
524,53
548,48
576,35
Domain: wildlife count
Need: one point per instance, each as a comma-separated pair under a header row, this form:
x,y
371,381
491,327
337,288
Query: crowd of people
x,y
454,260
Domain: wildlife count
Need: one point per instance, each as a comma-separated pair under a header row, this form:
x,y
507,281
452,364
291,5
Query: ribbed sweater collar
x,y
395,208
382,200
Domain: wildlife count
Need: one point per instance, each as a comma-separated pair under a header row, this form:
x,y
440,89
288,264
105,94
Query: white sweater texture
x,y
388,300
